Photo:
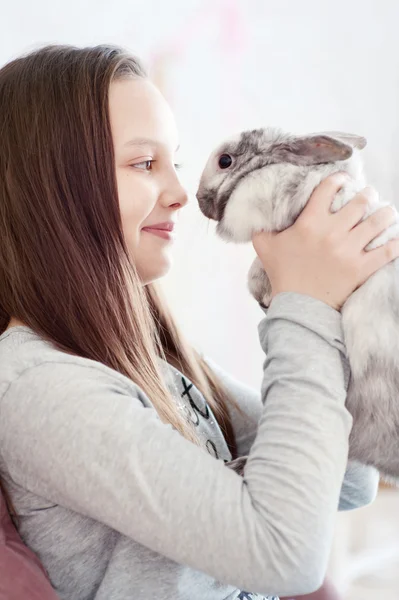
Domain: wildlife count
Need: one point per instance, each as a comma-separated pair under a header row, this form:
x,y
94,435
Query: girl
x,y
114,432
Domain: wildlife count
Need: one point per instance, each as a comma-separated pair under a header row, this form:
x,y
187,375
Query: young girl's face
x,y
150,194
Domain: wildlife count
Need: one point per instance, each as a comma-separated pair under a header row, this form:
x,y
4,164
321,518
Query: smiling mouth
x,y
162,233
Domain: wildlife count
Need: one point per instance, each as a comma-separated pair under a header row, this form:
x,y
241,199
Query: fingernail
x,y
342,176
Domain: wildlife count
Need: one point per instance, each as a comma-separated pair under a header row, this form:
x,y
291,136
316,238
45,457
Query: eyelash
x,y
145,162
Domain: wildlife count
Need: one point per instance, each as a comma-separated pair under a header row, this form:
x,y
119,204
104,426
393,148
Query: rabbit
x,y
261,180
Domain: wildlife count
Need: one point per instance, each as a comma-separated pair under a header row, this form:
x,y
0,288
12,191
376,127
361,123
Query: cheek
x,y
136,201
152,258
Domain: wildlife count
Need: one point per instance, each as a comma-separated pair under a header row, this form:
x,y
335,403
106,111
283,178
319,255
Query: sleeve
x,y
245,421
360,484
79,438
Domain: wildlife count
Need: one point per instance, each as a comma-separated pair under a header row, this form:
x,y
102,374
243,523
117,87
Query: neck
x,y
14,322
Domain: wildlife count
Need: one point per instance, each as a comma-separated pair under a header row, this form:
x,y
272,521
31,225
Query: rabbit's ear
x,y
312,150
356,141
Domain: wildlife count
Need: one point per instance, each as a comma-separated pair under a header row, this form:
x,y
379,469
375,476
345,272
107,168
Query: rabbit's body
x,y
271,178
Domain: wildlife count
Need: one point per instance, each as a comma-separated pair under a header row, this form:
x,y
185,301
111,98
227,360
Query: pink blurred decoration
x,y
175,47
233,43
233,30
233,39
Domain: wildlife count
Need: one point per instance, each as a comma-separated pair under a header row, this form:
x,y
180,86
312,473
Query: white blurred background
x,y
227,65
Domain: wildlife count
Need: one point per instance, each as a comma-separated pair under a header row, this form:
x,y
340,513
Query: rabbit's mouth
x,y
206,198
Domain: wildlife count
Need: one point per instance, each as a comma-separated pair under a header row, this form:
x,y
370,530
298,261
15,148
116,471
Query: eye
x,y
146,165
225,161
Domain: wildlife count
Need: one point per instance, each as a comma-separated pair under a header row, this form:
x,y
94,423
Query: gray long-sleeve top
x,y
118,505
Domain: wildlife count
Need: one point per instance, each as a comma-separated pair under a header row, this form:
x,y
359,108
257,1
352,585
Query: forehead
x,y
138,109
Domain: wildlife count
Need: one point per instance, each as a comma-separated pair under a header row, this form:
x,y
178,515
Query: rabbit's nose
x,y
206,202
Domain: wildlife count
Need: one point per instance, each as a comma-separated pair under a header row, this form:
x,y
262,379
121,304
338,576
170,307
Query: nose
x,y
174,194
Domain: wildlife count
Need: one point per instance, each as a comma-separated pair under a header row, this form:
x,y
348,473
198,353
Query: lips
x,y
167,226
161,230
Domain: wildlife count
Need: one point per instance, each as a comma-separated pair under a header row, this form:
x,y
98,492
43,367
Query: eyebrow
x,y
144,141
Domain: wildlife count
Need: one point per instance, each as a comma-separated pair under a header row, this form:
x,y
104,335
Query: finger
x,y
261,240
353,212
381,256
375,224
322,197
263,235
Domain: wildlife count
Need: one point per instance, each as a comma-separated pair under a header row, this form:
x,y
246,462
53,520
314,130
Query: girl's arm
x,y
326,592
360,484
83,436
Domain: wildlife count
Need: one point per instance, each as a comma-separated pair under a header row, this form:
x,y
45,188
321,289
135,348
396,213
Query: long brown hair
x,y
64,266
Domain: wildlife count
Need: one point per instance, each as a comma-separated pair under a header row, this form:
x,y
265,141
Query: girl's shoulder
x,y
24,355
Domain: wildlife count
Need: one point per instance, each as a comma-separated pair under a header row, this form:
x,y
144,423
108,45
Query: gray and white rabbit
x,y
262,180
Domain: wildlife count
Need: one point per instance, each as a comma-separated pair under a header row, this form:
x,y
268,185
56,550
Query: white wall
x,y
304,66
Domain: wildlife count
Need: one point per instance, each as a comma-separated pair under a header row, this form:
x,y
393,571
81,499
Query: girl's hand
x,y
322,254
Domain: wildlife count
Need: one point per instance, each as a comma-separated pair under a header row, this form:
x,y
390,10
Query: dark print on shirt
x,y
197,411
202,410
198,407
201,415
212,448
250,596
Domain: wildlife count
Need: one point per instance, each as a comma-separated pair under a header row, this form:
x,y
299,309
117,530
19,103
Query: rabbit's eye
x,y
225,161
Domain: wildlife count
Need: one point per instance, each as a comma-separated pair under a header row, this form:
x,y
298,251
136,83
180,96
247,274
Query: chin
x,y
149,275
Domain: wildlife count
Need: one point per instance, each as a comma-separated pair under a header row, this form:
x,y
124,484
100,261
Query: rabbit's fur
x,y
270,180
